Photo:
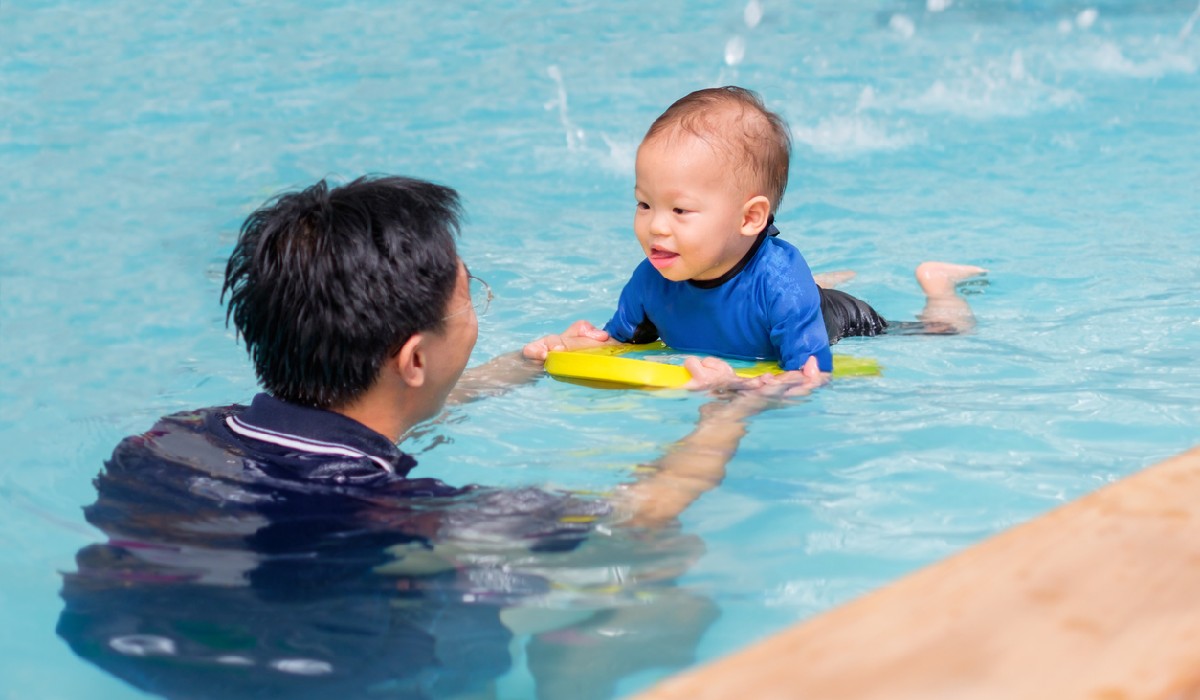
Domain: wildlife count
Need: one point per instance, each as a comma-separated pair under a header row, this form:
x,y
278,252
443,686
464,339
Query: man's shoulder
x,y
192,458
194,438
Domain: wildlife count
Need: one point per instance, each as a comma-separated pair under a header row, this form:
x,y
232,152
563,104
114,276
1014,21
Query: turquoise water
x,y
1055,143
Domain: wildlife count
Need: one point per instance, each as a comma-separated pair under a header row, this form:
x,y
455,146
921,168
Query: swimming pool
x,y
1053,142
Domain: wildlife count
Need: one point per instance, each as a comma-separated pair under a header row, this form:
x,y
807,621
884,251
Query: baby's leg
x,y
945,310
830,280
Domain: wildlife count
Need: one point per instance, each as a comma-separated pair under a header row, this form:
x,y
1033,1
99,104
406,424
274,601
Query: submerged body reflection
x,y
219,582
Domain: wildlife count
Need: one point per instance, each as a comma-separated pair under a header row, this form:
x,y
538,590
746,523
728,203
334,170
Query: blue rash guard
x,y
766,307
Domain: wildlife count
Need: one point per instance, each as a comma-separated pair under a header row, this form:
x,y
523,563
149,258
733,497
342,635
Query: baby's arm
x,y
578,336
797,326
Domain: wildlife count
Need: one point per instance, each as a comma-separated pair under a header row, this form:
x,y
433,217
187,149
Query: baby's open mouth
x,y
661,258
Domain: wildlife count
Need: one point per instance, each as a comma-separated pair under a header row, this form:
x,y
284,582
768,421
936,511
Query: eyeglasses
x,y
481,297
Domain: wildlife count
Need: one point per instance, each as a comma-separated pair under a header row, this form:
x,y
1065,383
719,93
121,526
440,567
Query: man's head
x,y
710,173
325,285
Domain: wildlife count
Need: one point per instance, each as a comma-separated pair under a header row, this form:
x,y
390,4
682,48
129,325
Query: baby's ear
x,y
755,213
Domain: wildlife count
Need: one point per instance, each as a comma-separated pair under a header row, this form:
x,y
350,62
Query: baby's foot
x,y
830,280
939,279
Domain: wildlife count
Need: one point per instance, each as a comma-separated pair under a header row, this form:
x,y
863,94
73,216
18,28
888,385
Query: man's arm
x,y
494,377
513,369
580,335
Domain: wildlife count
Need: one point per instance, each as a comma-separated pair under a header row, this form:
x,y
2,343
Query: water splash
x,y
736,46
1001,87
575,136
620,157
1086,18
1109,58
851,135
903,26
1186,31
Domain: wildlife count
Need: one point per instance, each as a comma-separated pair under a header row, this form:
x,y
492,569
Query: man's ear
x,y
755,213
411,362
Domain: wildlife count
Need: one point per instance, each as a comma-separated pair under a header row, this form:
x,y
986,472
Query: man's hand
x,y
580,335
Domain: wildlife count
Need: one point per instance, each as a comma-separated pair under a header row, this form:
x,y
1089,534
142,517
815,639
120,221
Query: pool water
x,y
1056,143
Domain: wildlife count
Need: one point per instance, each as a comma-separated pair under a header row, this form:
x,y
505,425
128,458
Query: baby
x,y
711,172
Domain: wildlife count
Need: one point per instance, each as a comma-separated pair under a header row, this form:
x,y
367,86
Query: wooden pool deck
x,y
1098,599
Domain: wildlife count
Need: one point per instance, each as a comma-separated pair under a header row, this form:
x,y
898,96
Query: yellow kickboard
x,y
602,366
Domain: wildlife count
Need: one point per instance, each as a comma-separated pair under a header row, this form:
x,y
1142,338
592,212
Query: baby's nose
x,y
660,225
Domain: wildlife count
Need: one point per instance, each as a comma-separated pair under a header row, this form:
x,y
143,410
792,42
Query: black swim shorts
x,y
847,316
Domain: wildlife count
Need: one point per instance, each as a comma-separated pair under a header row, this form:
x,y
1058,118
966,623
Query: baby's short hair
x,y
734,120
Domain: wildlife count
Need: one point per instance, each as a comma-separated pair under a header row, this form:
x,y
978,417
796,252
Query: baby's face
x,y
689,208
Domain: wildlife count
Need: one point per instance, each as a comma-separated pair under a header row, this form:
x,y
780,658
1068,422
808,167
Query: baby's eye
x,y
643,206
677,210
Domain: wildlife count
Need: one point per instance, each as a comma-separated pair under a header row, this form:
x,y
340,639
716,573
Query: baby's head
x,y
753,141
711,171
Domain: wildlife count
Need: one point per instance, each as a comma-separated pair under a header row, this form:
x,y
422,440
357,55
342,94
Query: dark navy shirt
x,y
285,461
768,307
288,441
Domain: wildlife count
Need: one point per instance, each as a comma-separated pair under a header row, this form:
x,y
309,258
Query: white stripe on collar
x,y
304,444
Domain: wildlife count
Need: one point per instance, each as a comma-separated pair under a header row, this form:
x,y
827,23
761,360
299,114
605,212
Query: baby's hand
x,y
714,373
581,334
797,382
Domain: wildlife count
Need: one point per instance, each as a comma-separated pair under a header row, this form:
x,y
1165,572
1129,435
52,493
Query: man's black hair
x,y
325,284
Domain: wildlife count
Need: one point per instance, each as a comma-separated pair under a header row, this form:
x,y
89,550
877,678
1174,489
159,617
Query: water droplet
x,y
735,50
753,14
1016,66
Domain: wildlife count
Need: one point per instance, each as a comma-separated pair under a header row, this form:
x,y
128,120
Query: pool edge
x,y
1097,598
